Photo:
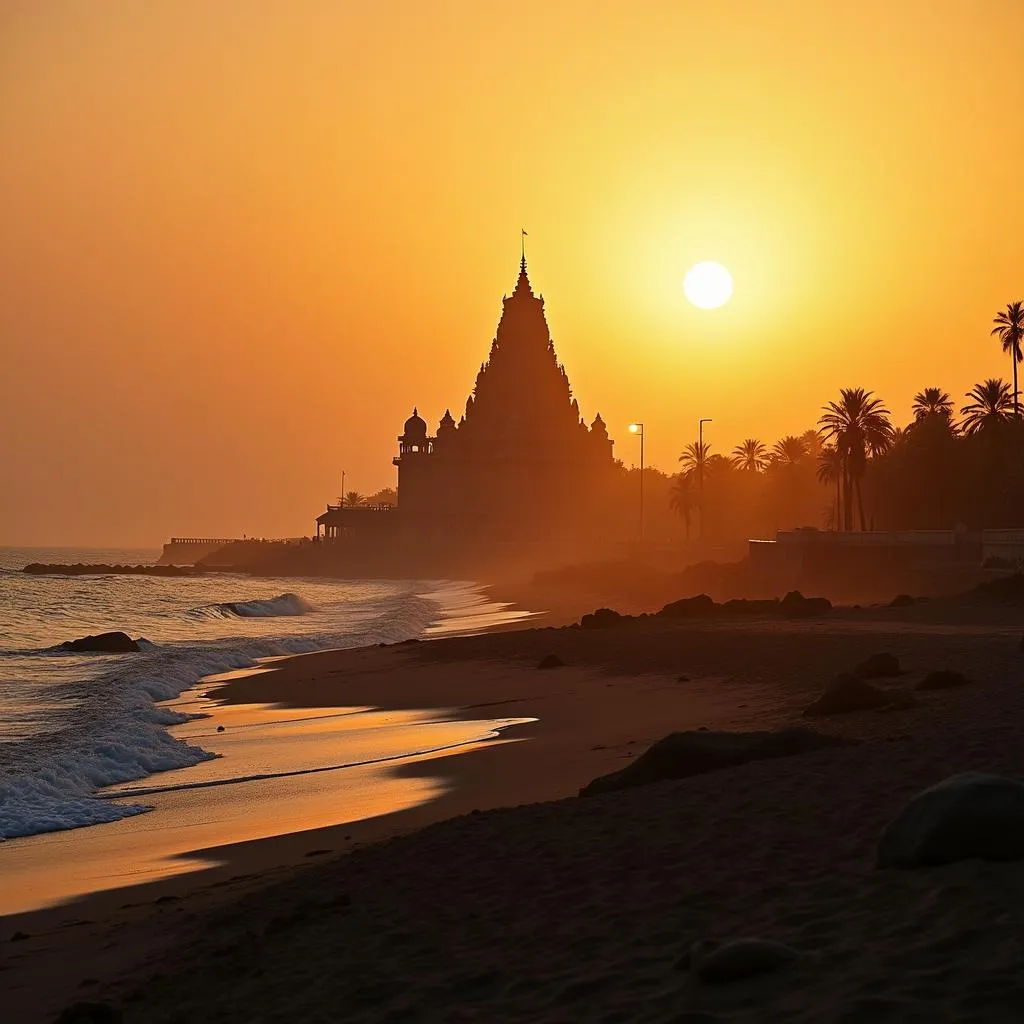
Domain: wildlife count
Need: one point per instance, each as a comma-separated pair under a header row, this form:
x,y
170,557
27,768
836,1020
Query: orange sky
x,y
240,240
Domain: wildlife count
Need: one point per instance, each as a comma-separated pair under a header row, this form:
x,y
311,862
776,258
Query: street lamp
x,y
638,428
700,469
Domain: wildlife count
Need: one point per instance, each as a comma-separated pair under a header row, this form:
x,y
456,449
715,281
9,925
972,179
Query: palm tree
x,y
859,426
990,407
751,455
353,498
830,470
1009,328
789,451
932,402
812,442
681,500
695,457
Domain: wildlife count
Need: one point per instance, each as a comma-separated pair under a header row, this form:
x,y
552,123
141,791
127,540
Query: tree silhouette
x,y
991,406
352,499
790,451
932,402
695,457
1009,328
830,471
859,426
751,455
681,500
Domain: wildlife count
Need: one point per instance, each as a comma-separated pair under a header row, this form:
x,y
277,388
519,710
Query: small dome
x,y
415,426
447,422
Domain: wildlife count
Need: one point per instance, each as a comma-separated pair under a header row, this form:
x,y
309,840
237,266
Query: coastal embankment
x,y
582,909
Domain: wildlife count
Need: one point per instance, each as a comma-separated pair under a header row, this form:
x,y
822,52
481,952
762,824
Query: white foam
x,y
116,734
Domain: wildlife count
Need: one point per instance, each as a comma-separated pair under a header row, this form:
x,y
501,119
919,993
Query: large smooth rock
x,y
943,679
965,816
689,607
847,693
720,963
681,754
103,643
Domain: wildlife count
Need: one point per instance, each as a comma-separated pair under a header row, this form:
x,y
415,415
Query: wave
x,y
283,604
114,732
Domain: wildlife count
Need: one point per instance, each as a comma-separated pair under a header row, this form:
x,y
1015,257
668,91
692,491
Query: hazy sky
x,y
240,240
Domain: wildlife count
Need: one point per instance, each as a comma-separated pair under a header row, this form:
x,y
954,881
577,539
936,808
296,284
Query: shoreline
x,y
617,694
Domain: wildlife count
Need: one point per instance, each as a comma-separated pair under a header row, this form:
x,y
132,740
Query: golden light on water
x,y
708,285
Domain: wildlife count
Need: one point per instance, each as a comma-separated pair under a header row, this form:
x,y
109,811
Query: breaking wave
x,y
283,604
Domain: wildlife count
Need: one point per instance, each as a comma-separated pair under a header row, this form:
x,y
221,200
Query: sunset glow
x,y
242,241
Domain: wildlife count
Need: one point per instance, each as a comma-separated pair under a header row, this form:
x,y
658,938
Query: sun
x,y
708,285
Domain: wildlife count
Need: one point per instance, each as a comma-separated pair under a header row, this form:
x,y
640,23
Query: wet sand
x,y
570,909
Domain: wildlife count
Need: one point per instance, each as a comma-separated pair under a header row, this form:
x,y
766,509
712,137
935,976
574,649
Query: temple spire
x,y
523,284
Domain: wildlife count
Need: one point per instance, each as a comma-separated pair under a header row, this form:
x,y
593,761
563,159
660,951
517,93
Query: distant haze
x,y
240,241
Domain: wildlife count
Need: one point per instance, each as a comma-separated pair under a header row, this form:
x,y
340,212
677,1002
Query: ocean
x,y
72,724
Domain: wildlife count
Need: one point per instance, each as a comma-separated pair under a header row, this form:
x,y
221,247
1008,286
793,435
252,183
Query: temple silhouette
x,y
520,468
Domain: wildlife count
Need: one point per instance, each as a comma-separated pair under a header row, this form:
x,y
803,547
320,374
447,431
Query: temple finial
x,y
522,246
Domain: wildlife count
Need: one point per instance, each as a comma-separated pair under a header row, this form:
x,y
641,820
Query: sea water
x,y
71,724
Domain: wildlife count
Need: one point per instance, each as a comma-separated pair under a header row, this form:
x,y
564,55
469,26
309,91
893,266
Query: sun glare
x,y
708,285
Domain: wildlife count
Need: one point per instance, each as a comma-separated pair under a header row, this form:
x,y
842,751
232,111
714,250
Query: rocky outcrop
x,y
602,618
551,661
965,816
681,754
102,643
103,569
847,693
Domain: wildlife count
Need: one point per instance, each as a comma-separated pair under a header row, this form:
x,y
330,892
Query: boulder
x,y
795,605
601,618
550,661
103,643
719,963
901,601
689,607
942,679
847,693
965,816
877,666
681,754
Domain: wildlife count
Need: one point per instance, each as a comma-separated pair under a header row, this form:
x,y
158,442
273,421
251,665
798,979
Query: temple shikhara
x,y
521,466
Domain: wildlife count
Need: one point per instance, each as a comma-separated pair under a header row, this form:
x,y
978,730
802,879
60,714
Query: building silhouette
x,y
520,466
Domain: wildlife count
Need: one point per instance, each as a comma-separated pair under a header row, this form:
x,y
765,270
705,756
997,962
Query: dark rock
x,y
601,618
104,643
901,601
745,606
942,679
220,728
718,964
682,679
1002,590
682,754
20,936
689,607
795,605
550,661
847,693
877,666
89,1013
965,816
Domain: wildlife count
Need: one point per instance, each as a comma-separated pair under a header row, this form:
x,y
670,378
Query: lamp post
x,y
700,470
638,428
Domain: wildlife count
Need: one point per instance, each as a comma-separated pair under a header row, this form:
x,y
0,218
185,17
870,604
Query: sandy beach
x,y
501,895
